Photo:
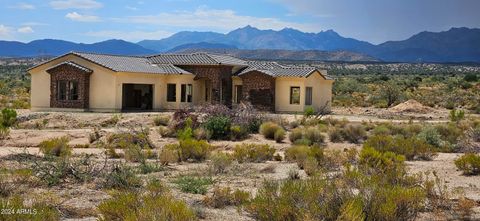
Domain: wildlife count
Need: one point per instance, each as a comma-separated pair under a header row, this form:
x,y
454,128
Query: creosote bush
x,y
412,148
219,126
268,129
223,197
56,147
255,153
154,203
192,184
190,149
279,135
220,162
125,139
469,164
301,154
122,177
162,120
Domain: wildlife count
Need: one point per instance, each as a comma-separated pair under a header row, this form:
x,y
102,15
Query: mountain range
x,y
454,45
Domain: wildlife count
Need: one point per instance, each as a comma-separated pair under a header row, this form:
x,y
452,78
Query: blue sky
x,y
95,20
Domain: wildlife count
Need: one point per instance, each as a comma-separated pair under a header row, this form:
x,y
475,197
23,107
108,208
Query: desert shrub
x,y
220,162
8,117
314,135
4,132
195,185
161,120
386,164
354,133
112,153
310,166
335,135
66,170
165,131
238,132
11,210
268,129
219,126
201,134
295,134
125,139
431,136
196,150
146,168
94,135
147,206
169,154
449,132
56,147
253,153
112,121
308,112
411,148
121,177
223,197
469,164
279,135
300,154
381,130
180,117
134,153
456,115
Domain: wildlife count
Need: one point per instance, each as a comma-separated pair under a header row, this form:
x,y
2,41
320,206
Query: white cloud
x,y
129,36
75,4
204,17
131,8
25,30
5,32
23,6
82,18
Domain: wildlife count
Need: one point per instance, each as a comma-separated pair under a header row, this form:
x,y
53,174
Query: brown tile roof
x,y
196,59
275,69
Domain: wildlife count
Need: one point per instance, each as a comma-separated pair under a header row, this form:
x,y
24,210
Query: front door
x,y
137,97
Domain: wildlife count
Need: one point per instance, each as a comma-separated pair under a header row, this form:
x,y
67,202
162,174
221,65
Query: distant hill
x,y
201,45
50,47
273,54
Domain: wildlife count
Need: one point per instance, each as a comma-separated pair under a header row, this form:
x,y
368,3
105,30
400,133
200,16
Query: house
x,y
110,83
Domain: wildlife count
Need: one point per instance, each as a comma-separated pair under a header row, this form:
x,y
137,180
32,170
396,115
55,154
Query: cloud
x,y
75,4
5,32
23,6
131,8
129,36
82,18
25,30
223,20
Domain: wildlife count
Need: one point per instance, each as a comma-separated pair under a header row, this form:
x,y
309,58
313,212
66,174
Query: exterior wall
x,y
69,73
235,81
179,80
101,93
321,92
259,90
215,74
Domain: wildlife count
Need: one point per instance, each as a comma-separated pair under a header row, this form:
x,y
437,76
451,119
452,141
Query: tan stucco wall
x,y
102,98
321,92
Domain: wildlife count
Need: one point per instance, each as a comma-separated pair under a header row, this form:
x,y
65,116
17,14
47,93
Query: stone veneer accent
x,y
70,73
215,74
259,90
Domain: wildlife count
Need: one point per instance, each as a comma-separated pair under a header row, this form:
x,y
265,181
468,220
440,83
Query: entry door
x,y
137,97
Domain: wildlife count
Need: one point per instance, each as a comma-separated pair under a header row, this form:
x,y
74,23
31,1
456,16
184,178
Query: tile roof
x,y
196,59
275,69
73,64
130,64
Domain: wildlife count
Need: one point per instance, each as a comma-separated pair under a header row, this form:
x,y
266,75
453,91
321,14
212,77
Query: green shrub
x,y
253,153
295,134
411,148
161,120
56,147
308,112
4,132
186,132
386,164
300,154
169,154
268,130
220,162
381,130
201,134
9,117
279,135
219,126
121,177
134,206
133,153
238,132
431,136
314,135
125,139
196,150
335,135
11,210
223,197
195,185
469,164
354,133
165,131
456,115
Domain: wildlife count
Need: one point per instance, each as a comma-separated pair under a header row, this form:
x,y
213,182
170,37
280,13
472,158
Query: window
x,y
238,93
171,92
186,93
67,90
308,96
294,95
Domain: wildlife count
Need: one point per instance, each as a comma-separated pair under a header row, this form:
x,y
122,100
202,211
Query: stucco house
x,y
110,83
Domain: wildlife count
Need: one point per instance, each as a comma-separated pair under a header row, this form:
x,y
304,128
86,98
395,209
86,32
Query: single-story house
x,y
110,83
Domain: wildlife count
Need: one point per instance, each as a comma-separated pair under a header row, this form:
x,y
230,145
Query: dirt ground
x,y
82,200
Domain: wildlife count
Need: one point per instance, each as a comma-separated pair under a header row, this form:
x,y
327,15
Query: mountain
x,y
305,55
58,47
181,38
454,45
201,45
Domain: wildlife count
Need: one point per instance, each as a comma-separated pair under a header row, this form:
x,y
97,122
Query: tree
x,y
391,92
